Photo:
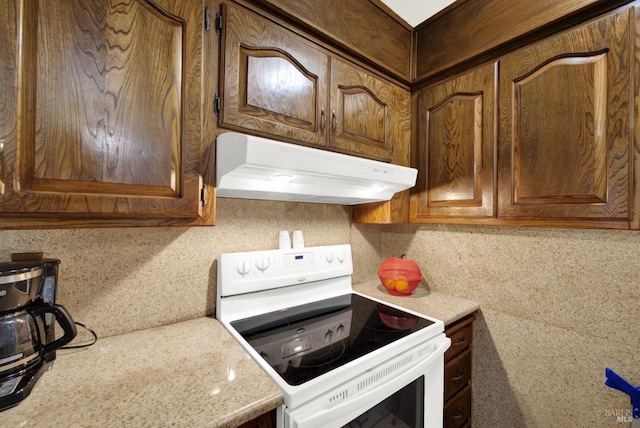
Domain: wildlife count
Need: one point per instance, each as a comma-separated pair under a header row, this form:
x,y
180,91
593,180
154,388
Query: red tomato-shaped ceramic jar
x,y
399,276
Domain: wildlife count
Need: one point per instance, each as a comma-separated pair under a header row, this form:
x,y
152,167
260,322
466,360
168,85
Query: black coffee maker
x,y
28,318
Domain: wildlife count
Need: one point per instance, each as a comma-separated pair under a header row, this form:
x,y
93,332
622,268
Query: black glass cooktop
x,y
306,341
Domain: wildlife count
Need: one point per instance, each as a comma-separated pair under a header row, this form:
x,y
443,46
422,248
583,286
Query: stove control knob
x,y
341,257
340,330
328,336
331,256
244,268
263,264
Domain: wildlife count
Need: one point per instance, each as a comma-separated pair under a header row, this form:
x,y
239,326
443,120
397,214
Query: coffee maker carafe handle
x,y
64,320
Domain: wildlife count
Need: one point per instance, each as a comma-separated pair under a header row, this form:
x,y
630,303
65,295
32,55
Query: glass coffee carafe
x,y
26,328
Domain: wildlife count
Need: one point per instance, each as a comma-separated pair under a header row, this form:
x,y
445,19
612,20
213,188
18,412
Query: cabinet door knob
x,y
323,121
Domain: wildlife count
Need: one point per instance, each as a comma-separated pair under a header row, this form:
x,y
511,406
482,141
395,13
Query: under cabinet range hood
x,y
258,168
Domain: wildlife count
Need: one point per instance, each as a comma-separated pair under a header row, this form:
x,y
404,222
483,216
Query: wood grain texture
x,y
390,212
635,191
565,145
451,166
456,151
94,61
209,128
368,112
580,104
478,26
210,53
292,97
108,109
8,104
359,27
397,209
397,131
275,83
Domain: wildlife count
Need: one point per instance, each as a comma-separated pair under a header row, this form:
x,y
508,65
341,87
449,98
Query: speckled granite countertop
x,y
447,308
188,374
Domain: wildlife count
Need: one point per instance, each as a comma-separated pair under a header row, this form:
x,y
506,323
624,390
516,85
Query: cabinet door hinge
x,y
216,104
218,23
207,18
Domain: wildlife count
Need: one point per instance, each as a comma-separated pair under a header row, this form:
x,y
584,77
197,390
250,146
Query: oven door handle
x,y
315,415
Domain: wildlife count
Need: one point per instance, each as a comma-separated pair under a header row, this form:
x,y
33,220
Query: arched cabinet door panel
x,y
367,113
274,82
565,141
456,147
102,103
281,85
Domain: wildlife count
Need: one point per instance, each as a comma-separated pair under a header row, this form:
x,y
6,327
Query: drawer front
x,y
458,411
457,374
460,340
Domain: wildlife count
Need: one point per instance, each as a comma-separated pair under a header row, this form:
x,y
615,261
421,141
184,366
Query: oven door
x,y
405,391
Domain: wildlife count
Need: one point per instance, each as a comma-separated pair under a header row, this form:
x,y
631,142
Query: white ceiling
x,y
416,11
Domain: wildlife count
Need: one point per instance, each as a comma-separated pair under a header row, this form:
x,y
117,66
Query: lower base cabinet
x,y
457,374
457,412
268,420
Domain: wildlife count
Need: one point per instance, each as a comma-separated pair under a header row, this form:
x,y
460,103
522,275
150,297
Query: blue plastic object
x,y
615,381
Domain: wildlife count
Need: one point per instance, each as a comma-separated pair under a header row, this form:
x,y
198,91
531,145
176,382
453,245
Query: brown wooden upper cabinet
x,y
100,110
565,151
365,112
277,83
272,81
456,149
564,154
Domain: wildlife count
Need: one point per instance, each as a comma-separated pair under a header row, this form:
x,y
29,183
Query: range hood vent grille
x,y
258,168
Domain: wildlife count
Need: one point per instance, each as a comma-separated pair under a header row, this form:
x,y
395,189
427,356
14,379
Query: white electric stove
x,y
342,359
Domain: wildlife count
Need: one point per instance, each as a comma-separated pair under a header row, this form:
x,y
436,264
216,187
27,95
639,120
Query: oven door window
x,y
403,409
